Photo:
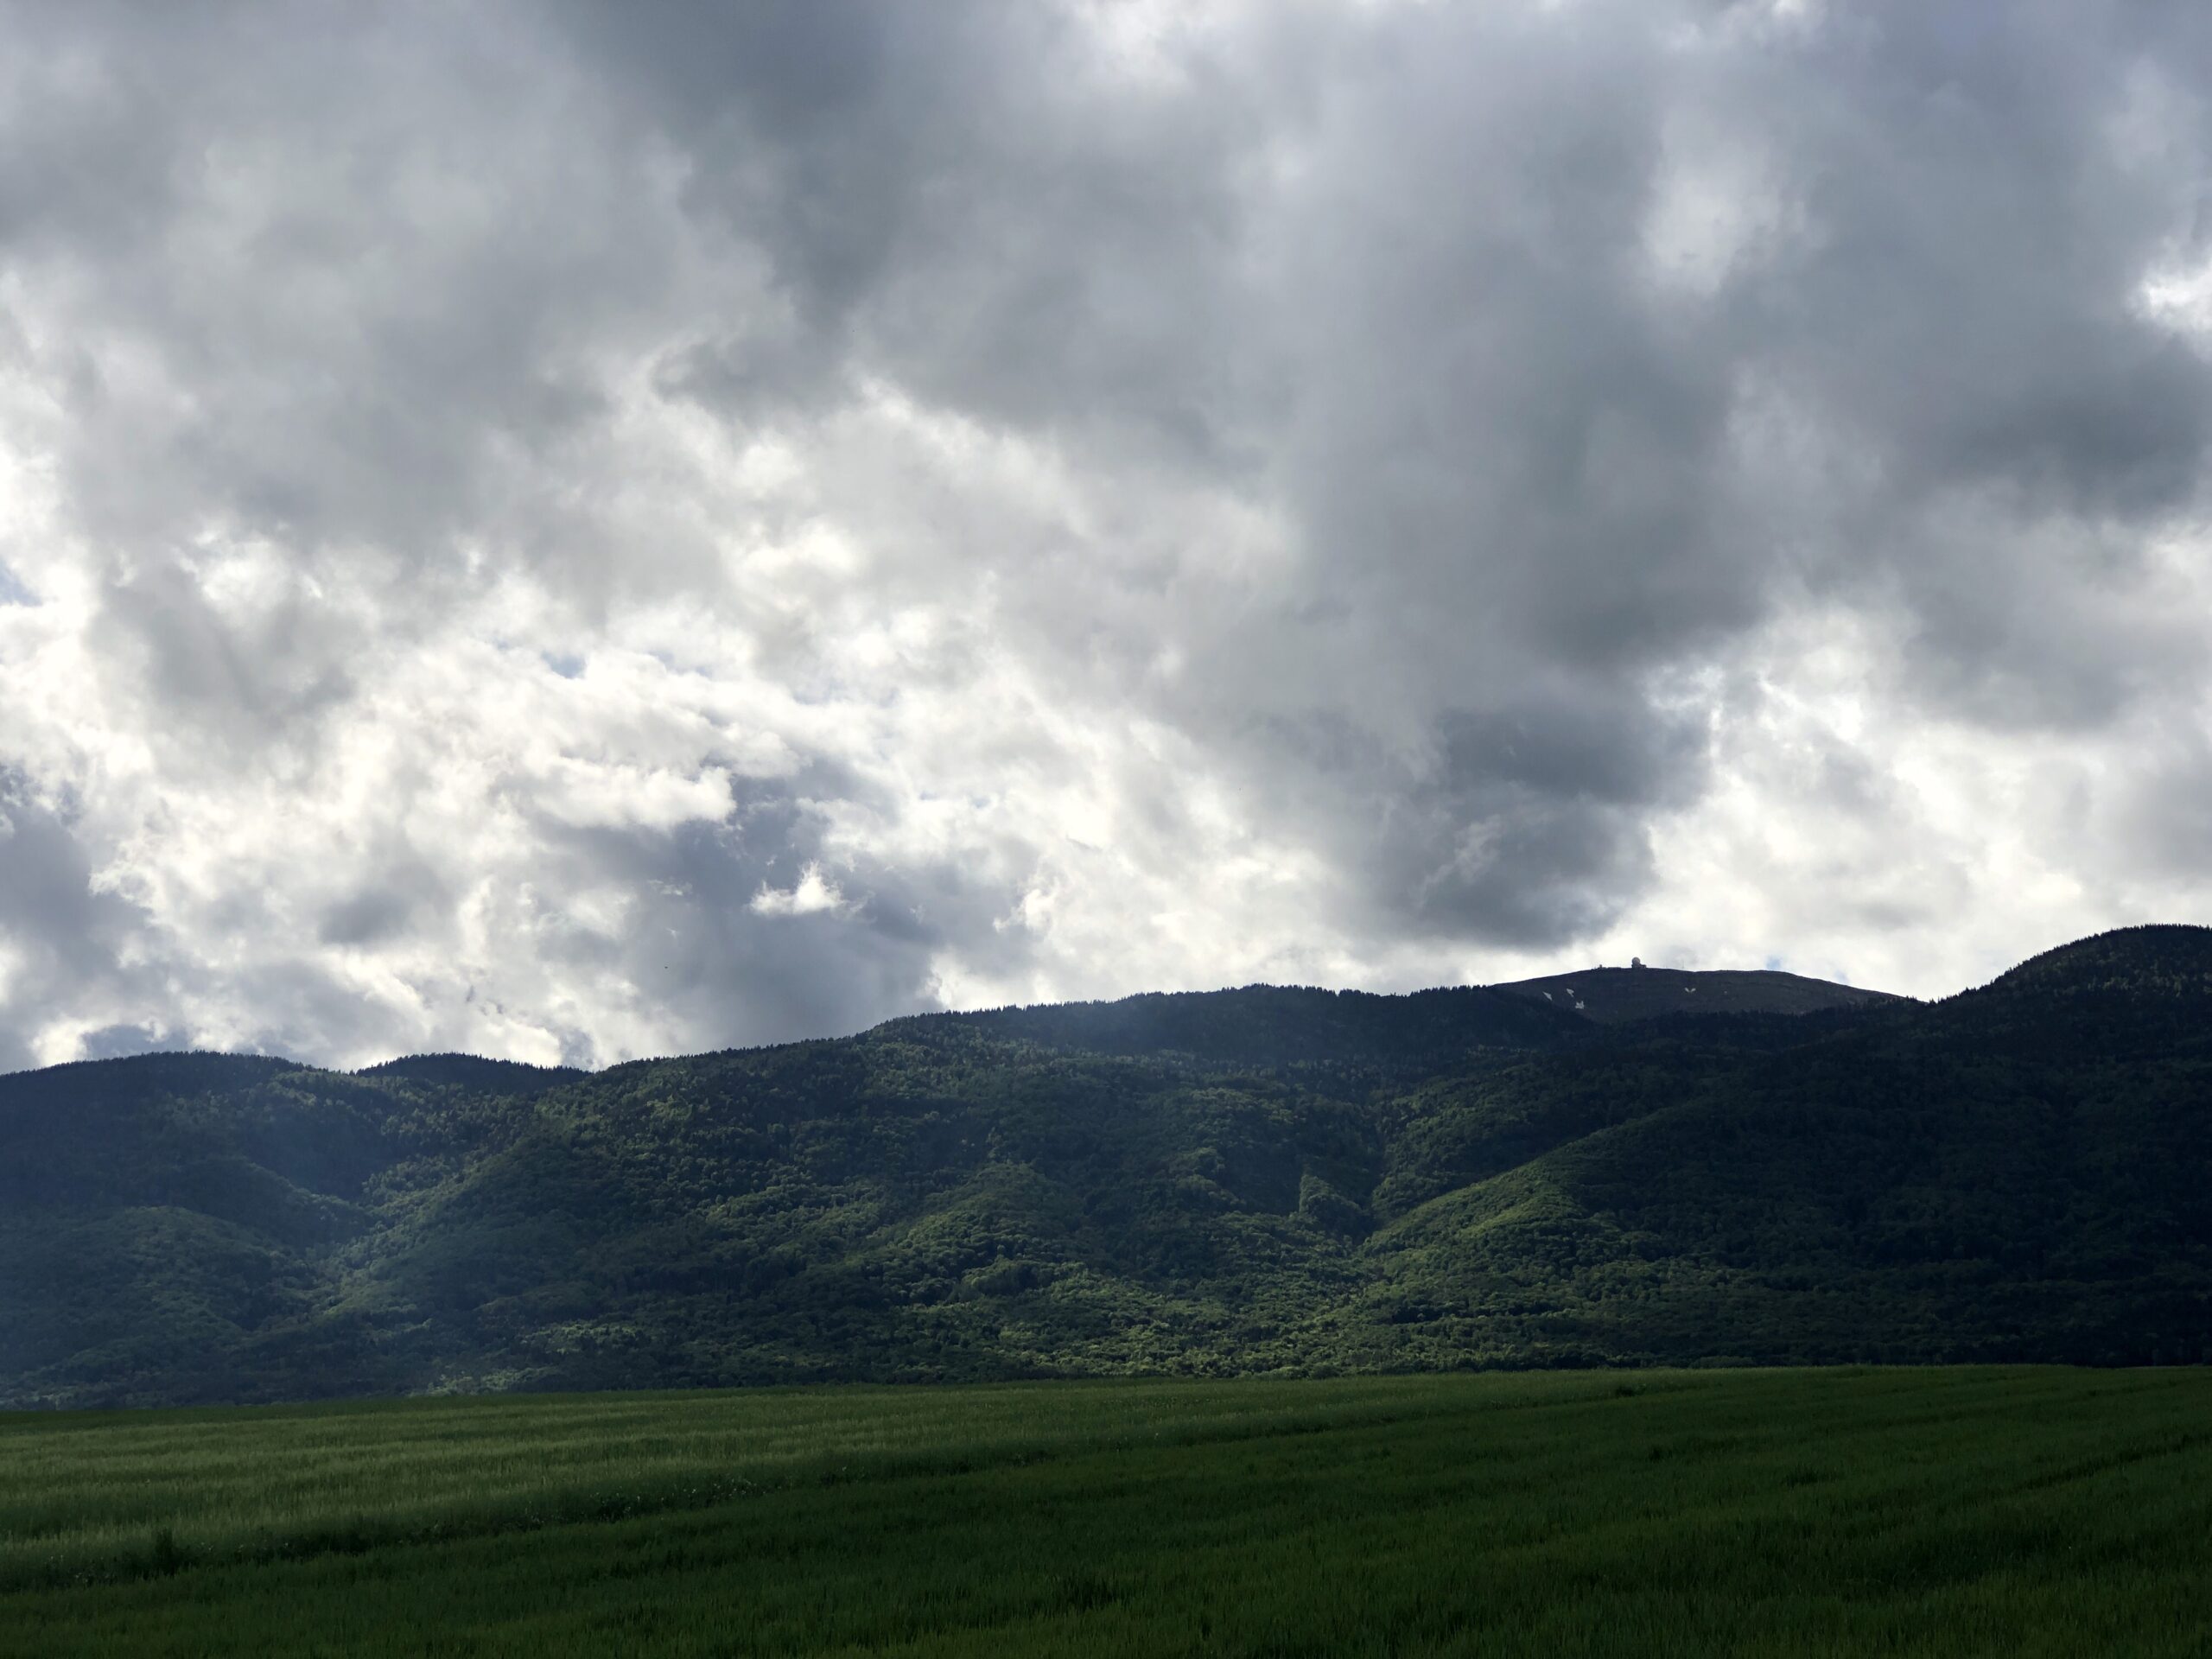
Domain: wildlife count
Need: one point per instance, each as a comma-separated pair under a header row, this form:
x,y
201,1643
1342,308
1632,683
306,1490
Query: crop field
x,y
1890,1512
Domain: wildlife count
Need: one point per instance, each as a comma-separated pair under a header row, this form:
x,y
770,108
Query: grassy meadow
x,y
1890,1512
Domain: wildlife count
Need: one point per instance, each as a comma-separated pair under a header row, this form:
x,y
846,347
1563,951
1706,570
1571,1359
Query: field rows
x,y
1895,1511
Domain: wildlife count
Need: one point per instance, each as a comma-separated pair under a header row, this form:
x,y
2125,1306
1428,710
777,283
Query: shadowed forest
x,y
1262,1181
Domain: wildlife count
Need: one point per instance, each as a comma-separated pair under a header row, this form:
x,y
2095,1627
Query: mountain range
x,y
1624,1166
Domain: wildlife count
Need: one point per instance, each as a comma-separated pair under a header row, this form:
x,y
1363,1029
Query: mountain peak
x,y
1272,1023
473,1071
1611,995
2161,960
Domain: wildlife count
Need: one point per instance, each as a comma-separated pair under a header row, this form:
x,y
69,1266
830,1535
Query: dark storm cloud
x,y
1481,435
725,936
398,889
63,943
1548,355
234,685
959,196
1509,450
338,247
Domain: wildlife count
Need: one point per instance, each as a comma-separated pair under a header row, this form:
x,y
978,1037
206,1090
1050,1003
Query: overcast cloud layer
x,y
576,531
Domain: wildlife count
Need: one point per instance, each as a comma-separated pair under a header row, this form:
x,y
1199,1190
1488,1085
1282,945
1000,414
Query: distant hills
x,y
1254,1180
1610,996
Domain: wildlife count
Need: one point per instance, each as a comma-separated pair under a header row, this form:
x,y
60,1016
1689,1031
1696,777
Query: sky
x,y
576,532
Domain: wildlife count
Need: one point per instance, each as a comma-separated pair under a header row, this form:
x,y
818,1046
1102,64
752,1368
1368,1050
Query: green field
x,y
2020,1511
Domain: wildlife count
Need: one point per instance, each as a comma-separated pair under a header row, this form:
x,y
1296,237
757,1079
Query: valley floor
x,y
2013,1512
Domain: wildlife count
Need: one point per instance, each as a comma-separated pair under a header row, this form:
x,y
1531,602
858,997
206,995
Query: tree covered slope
x,y
1250,1180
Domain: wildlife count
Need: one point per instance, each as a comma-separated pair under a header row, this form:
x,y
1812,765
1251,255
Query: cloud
x,y
577,532
66,946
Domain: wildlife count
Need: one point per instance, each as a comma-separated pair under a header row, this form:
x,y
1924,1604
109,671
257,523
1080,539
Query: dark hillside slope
x,y
2024,1172
2139,991
2166,961
161,1216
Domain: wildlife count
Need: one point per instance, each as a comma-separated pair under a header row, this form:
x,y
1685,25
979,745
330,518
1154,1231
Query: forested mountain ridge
x,y
1611,995
1276,1026
1252,1180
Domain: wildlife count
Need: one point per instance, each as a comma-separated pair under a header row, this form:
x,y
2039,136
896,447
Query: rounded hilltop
x,y
1611,995
2159,959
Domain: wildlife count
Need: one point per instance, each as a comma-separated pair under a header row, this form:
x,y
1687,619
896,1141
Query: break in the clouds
x,y
577,530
